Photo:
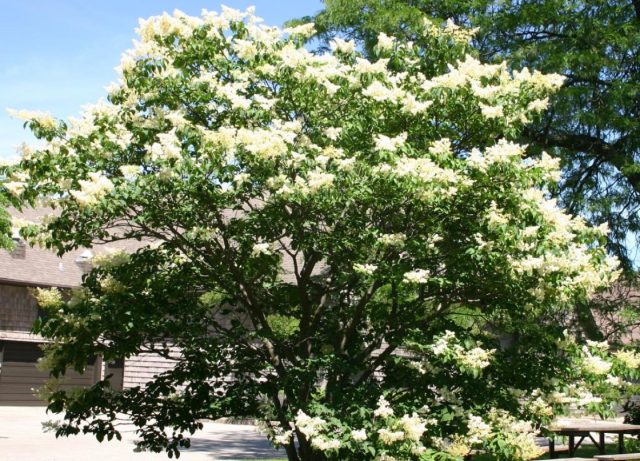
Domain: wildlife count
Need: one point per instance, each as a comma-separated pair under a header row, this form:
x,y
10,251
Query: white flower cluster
x,y
390,144
307,425
384,410
450,30
595,364
365,269
385,42
539,406
519,435
317,180
413,427
167,148
324,443
343,46
585,397
48,298
359,435
474,359
42,118
283,438
630,359
261,249
130,172
501,152
387,431
478,430
388,437
19,223
17,183
111,285
312,428
92,190
302,30
417,276
392,240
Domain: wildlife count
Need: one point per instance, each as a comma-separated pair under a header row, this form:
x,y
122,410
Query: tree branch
x,y
612,153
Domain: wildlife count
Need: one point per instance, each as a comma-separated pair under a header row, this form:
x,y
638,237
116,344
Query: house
x,y
25,268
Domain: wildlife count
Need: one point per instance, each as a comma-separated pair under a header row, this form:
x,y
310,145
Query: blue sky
x,y
58,55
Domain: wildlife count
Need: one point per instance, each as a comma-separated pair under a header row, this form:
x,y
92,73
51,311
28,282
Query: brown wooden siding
x,y
142,368
18,308
19,381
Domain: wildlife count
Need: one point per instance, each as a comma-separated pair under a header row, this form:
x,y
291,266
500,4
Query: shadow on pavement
x,y
243,444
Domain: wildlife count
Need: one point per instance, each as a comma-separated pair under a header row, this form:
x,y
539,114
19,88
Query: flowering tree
x,y
352,251
5,227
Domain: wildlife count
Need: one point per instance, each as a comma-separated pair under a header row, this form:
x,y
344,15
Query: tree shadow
x,y
237,442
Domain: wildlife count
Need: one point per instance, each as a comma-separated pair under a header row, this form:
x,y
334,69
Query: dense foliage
x,y
592,123
352,250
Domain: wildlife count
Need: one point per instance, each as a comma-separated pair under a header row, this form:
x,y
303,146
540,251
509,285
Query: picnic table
x,y
584,430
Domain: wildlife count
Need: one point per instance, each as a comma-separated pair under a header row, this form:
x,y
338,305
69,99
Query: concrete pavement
x,y
22,439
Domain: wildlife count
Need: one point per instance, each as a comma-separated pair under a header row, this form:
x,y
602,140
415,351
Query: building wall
x,y
18,309
141,368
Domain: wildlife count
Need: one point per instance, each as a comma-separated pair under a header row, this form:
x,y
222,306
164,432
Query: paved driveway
x,y
22,438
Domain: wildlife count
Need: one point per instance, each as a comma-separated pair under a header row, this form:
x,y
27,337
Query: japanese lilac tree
x,y
351,251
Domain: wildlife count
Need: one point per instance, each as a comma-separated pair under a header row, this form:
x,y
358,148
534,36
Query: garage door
x,y
19,377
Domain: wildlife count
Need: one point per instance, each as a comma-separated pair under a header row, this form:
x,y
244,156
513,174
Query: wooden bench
x,y
576,459
544,448
620,457
556,449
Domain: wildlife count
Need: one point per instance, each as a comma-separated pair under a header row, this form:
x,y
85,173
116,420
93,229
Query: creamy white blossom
x,y
359,435
261,249
343,46
389,437
303,30
418,276
390,143
92,190
384,410
366,269
385,42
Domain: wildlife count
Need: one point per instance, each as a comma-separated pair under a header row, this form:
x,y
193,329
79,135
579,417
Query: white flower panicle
x,y
130,172
333,133
385,42
302,30
478,430
359,435
319,180
629,358
343,46
42,118
365,269
168,147
388,437
48,298
417,276
596,365
413,427
283,438
92,190
392,240
392,144
261,249
307,425
325,444
383,410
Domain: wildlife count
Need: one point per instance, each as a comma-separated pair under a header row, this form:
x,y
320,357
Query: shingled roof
x,y
36,266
